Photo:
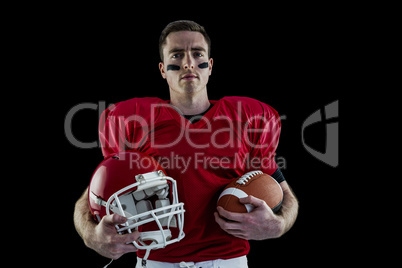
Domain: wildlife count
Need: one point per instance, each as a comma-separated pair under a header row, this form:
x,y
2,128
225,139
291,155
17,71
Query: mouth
x,y
189,77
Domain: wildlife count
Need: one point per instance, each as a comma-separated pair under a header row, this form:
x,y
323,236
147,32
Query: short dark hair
x,y
182,25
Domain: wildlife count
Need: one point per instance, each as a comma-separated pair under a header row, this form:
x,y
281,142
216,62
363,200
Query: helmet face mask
x,y
137,207
145,196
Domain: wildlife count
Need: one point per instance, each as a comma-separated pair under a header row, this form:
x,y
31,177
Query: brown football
x,y
255,183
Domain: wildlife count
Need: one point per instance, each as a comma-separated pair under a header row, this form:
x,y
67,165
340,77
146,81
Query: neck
x,y
190,104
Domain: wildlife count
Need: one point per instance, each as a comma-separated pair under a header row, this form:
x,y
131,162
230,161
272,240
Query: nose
x,y
188,62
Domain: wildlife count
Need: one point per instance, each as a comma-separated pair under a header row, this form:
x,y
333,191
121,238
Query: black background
x,y
293,62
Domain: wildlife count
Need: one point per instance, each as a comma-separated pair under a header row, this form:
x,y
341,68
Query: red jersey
x,y
235,136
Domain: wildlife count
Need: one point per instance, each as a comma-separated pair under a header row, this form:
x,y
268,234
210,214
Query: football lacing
x,y
243,179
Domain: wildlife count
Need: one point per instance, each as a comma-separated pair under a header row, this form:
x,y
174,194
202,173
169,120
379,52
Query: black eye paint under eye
x,y
173,67
203,65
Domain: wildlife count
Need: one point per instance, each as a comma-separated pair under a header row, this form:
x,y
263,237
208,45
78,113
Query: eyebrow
x,y
176,50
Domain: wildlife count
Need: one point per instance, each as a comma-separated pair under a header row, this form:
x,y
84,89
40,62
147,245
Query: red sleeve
x,y
109,132
126,125
263,137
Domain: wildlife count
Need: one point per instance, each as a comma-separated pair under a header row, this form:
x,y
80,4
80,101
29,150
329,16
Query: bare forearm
x,y
82,217
289,209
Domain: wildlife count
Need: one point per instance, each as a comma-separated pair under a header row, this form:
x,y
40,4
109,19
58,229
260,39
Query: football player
x,y
203,144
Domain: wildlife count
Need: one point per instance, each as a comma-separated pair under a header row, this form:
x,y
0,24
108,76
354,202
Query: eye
x,y
198,54
177,55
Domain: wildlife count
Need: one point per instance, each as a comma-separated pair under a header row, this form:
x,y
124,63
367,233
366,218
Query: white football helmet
x,y
135,186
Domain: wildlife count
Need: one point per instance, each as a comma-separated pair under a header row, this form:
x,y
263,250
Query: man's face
x,y
184,52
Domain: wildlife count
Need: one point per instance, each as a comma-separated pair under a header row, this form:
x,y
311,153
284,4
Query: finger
x,y
252,201
118,219
112,220
218,219
226,225
126,248
123,244
231,228
121,249
128,238
233,216
238,233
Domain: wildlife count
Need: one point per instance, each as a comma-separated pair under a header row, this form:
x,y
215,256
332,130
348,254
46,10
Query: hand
x,y
107,242
259,224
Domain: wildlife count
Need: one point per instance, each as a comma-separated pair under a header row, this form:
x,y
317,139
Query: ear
x,y
162,69
211,62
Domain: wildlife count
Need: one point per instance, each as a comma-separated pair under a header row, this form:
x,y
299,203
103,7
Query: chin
x,y
190,89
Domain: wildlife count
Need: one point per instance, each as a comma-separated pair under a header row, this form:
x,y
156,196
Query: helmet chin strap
x,y
157,237
144,260
108,264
